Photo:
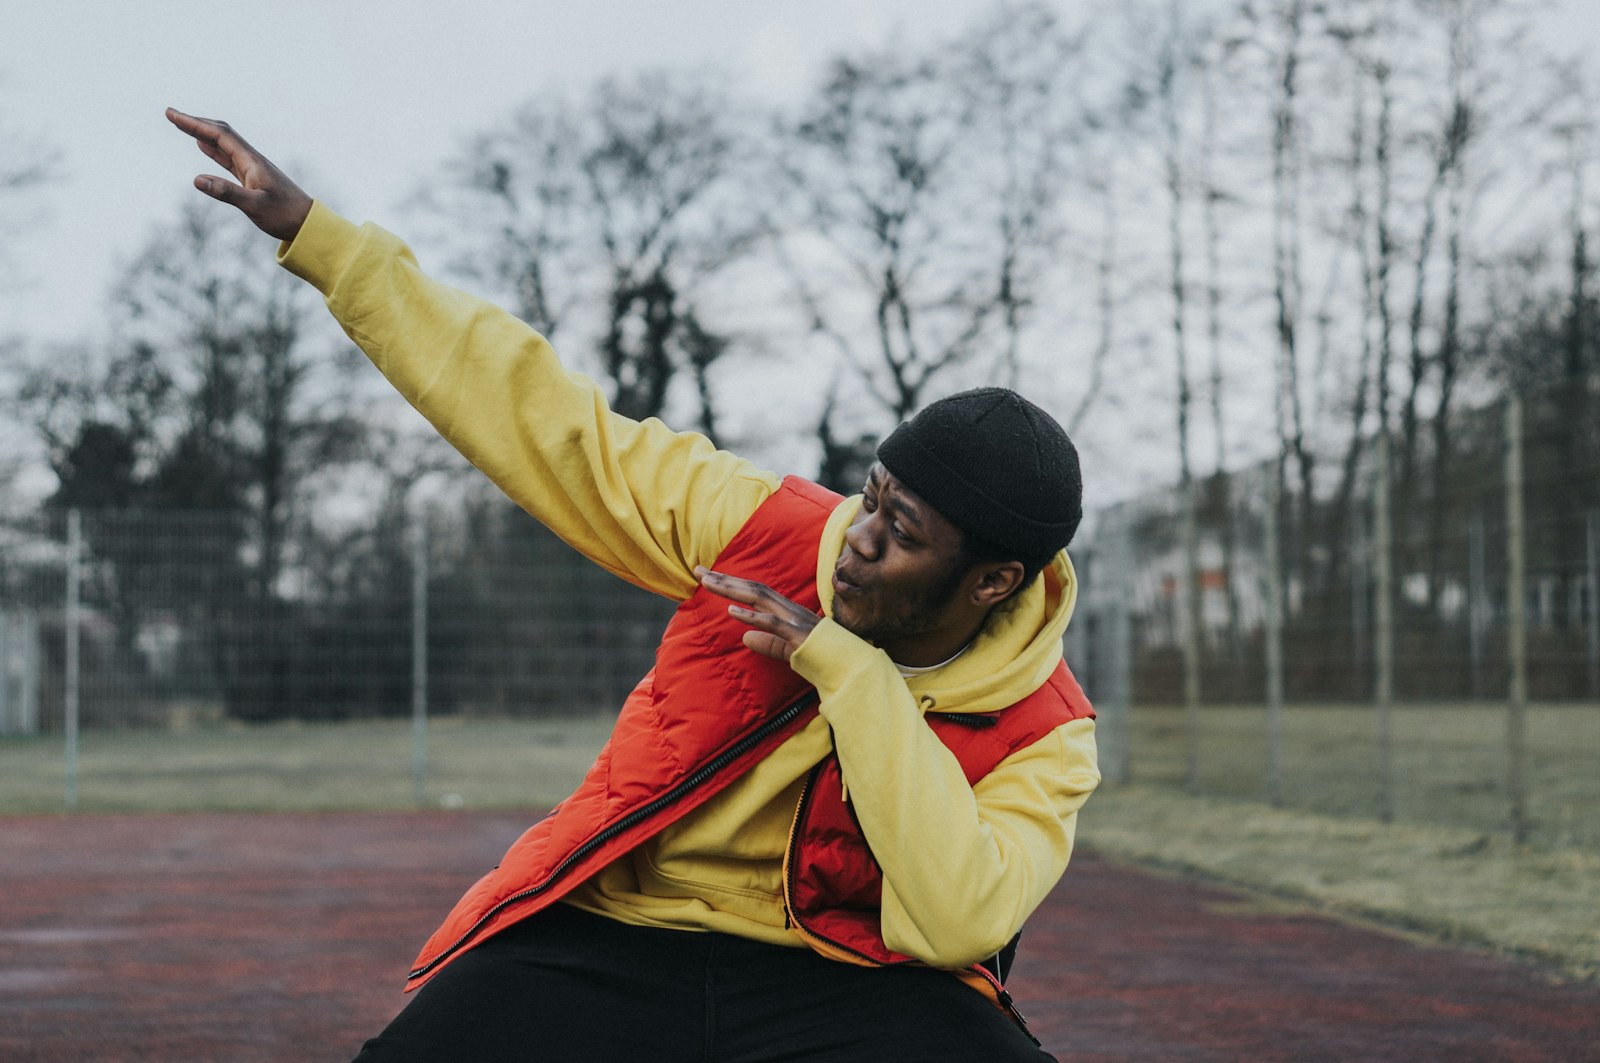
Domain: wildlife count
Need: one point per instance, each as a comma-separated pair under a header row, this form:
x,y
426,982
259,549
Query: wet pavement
x,y
286,937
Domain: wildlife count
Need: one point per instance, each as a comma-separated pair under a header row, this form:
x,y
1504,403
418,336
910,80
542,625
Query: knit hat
x,y
995,465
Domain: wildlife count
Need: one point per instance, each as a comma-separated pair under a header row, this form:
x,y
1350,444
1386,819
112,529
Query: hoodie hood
x,y
1012,656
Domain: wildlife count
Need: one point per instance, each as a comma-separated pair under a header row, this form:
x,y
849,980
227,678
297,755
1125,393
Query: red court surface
x,y
285,937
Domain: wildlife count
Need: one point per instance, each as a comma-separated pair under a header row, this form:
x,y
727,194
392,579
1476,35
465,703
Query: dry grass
x,y
1449,765
1450,884
1460,880
303,766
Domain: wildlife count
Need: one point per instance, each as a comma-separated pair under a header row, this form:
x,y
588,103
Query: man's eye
x,y
899,533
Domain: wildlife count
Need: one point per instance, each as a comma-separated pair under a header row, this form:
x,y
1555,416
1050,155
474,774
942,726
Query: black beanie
x,y
996,466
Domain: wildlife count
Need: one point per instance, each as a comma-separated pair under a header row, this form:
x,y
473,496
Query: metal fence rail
x,y
170,622
1400,624
1421,641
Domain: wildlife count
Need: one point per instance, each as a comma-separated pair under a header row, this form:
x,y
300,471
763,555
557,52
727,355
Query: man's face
x,y
897,581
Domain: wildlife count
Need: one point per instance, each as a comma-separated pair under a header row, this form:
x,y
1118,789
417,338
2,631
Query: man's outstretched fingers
x,y
223,191
207,132
265,195
778,624
215,153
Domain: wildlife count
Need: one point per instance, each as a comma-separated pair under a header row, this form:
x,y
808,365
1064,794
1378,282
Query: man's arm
x,y
646,503
963,866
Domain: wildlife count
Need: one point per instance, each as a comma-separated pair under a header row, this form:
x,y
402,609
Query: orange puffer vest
x,y
707,712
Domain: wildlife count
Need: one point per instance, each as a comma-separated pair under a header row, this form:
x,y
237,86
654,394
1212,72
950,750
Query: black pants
x,y
566,985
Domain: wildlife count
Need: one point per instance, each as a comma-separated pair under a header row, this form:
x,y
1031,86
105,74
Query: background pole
x,y
1274,648
1383,569
1592,578
74,652
419,661
1191,632
1479,611
1517,615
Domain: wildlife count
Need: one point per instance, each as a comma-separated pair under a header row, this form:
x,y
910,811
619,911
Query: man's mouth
x,y
842,585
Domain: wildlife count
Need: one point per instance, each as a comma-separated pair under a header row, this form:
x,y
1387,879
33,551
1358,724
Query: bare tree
x,y
209,388
1274,36
1437,369
626,202
1165,83
1463,128
873,163
1213,195
511,199
1576,135
26,164
1574,131
1288,284
1107,301
1024,72
663,153
208,400
925,224
1358,232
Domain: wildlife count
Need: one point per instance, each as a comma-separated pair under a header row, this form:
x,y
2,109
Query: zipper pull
x,y
1011,1008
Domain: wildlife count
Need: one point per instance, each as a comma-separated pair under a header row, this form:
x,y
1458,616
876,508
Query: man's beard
x,y
917,616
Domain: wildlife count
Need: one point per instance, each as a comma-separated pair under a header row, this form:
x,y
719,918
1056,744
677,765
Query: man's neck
x,y
909,670
936,647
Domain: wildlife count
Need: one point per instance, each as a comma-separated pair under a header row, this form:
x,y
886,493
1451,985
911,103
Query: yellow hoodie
x,y
963,866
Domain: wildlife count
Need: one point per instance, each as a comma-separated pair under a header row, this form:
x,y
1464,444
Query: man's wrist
x,y
831,654
320,248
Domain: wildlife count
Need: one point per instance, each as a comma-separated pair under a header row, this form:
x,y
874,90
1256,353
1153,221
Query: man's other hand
x,y
778,625
264,194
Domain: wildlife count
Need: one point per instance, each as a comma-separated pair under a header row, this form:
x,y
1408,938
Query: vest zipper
x,y
974,720
1010,1007
828,945
693,782
840,951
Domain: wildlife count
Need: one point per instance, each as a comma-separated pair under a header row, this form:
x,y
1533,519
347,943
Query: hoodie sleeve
x,y
642,501
963,866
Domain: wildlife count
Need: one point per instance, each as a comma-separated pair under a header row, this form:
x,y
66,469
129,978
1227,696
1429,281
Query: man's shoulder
x,y
778,543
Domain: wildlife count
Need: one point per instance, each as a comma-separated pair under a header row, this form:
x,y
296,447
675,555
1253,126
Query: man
x,y
825,814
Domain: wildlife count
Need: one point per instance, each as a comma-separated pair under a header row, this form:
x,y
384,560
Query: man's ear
x,y
997,583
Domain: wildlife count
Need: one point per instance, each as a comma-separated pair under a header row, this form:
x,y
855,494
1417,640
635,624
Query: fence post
x,y
1478,608
1191,635
1592,527
419,660
1360,587
1116,679
69,708
1383,608
10,718
1517,615
1274,636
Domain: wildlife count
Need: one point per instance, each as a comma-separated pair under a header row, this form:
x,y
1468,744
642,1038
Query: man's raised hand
x,y
264,194
777,625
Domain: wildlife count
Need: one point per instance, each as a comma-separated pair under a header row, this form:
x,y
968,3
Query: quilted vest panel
x,y
707,712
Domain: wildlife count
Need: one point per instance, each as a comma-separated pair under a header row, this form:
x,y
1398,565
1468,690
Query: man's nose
x,y
861,540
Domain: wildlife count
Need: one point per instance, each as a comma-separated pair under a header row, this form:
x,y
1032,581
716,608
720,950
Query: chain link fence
x,y
161,634
1417,640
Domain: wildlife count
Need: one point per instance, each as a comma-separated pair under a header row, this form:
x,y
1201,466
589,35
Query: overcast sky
x,y
365,96
362,97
